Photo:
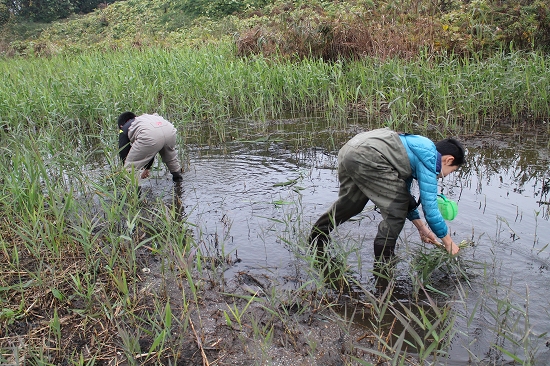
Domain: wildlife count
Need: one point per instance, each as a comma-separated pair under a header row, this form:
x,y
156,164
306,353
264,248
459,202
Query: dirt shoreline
x,y
282,333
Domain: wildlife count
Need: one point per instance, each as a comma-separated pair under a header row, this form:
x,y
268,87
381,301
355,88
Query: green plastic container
x,y
447,207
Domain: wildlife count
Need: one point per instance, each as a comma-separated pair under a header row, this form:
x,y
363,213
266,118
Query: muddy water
x,y
253,199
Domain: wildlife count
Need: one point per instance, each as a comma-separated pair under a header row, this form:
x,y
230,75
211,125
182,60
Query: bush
x,y
484,25
4,14
219,8
48,10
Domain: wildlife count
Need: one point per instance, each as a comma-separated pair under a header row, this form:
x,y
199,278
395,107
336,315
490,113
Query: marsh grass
x,y
427,263
398,332
72,258
212,85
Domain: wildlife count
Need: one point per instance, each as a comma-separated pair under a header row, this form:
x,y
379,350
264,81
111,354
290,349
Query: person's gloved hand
x,y
177,177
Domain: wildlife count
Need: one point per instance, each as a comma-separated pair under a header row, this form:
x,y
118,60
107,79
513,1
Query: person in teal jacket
x,y
379,166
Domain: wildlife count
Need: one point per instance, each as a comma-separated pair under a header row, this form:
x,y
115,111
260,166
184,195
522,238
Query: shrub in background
x,y
218,8
485,25
4,13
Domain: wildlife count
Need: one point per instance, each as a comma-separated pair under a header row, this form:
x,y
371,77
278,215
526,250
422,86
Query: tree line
x,y
46,10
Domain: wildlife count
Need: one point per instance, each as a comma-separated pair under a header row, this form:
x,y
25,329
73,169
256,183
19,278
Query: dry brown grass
x,y
318,35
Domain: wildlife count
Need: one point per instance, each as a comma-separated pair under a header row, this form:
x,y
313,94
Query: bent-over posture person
x,y
141,137
380,165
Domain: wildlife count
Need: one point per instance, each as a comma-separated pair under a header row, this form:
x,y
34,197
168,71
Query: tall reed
x,y
71,240
189,84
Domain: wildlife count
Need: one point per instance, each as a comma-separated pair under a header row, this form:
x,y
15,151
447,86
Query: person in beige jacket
x,y
140,138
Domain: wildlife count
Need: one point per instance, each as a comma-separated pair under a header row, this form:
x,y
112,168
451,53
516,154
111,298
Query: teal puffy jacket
x,y
425,162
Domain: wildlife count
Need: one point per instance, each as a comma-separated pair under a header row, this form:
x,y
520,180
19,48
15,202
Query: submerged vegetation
x,y
92,274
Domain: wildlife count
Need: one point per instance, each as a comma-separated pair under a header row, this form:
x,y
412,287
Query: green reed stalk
x,y
69,242
212,84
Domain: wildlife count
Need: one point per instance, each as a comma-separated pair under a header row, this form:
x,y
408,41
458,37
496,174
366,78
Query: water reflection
x,y
520,168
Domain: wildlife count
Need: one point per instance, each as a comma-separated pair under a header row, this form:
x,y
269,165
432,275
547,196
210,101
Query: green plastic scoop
x,y
447,207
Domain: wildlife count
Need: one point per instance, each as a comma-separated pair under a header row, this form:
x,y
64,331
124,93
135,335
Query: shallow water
x,y
255,201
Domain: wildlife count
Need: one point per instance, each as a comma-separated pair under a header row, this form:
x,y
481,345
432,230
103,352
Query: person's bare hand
x,y
453,248
450,245
145,174
426,235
